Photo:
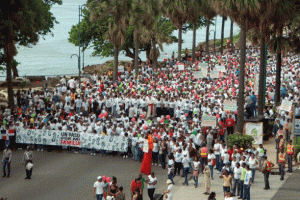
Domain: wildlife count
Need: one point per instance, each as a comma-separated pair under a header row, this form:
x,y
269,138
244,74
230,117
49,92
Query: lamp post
x,y
78,56
214,40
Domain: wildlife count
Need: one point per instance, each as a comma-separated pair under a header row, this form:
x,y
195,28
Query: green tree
x,y
21,23
176,10
224,18
118,10
239,11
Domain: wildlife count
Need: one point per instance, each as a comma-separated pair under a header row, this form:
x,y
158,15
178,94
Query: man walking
x,y
281,163
186,167
98,188
247,183
290,154
151,181
7,154
267,170
27,159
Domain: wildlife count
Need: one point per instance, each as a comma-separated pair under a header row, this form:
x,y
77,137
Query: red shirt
x,y
230,152
134,185
230,122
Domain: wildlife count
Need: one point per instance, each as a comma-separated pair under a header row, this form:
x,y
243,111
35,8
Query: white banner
x,y
121,68
180,67
208,121
214,74
220,68
74,139
256,83
286,105
256,131
146,146
230,105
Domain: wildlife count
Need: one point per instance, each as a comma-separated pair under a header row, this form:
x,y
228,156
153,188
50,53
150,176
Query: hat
x,y
169,181
99,178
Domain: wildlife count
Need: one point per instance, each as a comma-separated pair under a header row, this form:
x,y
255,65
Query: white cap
x,y
99,178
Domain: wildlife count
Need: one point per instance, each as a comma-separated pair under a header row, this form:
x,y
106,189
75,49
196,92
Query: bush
x,y
241,140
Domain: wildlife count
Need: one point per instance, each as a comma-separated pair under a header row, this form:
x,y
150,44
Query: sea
x,y
52,54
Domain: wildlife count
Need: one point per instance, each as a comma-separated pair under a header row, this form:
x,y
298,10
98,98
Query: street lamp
x,y
79,45
214,40
78,56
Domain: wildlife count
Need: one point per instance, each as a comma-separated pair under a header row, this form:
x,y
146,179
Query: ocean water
x,y
51,56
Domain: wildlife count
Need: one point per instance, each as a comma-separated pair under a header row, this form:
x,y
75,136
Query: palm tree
x,y
271,19
224,18
209,14
118,22
231,33
194,15
239,11
176,10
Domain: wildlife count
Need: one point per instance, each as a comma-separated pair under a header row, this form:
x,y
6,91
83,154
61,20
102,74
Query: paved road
x,y
69,176
290,190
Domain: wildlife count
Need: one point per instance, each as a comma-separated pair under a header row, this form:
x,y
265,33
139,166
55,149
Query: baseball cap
x,y
99,178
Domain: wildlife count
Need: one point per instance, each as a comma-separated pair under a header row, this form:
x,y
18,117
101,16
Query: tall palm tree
x,y
231,33
224,18
118,22
176,10
239,11
194,15
209,13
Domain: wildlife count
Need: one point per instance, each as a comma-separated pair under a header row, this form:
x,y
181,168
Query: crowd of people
x,y
168,102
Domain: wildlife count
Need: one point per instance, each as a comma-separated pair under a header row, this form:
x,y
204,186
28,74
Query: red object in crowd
x,y
230,122
230,152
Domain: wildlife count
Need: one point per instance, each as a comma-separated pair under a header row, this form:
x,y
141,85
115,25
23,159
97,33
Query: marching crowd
x,y
169,103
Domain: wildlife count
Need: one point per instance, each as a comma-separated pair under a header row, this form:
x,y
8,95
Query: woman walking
x,y
207,179
227,181
196,165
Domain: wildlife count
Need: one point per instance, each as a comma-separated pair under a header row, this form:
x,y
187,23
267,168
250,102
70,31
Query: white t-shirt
x,y
99,187
247,177
171,191
211,157
252,163
151,180
196,165
237,172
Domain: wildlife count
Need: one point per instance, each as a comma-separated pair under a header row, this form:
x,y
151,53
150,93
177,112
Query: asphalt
x,y
290,190
65,176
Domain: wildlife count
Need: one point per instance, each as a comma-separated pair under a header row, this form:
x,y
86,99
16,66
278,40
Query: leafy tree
x,y
22,22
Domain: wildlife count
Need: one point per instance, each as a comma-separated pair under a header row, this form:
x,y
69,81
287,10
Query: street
x,y
70,176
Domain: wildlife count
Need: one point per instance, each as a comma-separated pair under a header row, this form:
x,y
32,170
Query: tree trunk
x,y
116,54
155,54
10,51
231,33
15,71
262,71
179,42
241,100
194,42
148,49
136,52
222,34
278,71
207,37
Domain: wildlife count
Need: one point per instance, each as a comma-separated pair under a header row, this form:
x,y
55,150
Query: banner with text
x,y
208,121
286,105
230,105
256,131
74,139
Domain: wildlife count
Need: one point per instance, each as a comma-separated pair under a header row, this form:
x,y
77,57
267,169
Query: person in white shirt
x,y
211,157
252,165
151,181
247,183
196,166
237,172
186,167
99,188
170,191
178,160
217,153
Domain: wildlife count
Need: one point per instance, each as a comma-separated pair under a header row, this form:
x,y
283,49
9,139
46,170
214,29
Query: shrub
x,y
239,139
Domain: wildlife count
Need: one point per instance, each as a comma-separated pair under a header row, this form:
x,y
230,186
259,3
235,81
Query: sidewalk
x,y
256,192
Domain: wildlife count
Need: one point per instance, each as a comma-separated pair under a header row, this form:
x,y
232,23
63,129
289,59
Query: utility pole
x,y
79,44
